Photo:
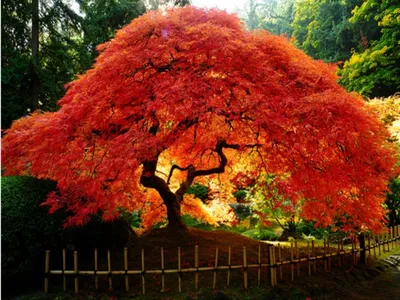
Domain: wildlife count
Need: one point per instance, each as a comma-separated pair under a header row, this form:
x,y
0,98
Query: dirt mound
x,y
207,242
191,237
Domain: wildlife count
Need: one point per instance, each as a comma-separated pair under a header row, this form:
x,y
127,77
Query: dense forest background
x,y
46,43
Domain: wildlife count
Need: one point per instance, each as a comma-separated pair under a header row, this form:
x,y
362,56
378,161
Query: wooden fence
x,y
369,245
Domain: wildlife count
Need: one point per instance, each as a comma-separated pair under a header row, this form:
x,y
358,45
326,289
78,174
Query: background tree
x,y
191,90
322,29
15,60
274,16
65,46
102,19
375,71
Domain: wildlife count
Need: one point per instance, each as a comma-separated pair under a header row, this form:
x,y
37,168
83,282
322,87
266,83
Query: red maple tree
x,y
186,93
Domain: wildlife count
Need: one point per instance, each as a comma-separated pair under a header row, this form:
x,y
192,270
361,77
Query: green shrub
x,y
198,190
240,195
132,218
194,223
242,210
308,229
261,234
28,230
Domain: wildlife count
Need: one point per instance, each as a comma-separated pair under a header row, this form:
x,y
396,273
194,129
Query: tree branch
x,y
223,161
179,168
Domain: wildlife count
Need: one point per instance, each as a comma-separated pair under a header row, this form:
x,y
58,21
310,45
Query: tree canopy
x,y
375,71
186,93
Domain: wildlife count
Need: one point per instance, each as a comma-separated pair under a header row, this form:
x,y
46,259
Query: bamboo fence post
x,y
383,240
215,268
325,258
291,260
313,253
379,243
308,256
329,256
64,267
273,267
387,235
46,272
76,272
280,260
374,244
363,248
388,238
196,265
276,267
109,269
398,233
179,271
297,258
229,266
392,236
162,270
244,267
96,279
271,263
353,242
143,272
369,245
126,269
259,265
338,254
356,249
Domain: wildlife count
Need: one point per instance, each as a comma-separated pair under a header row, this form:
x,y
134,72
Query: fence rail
x,y
368,243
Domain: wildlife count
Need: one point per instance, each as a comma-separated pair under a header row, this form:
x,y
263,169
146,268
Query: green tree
x,y
375,71
66,46
15,59
272,15
102,19
322,28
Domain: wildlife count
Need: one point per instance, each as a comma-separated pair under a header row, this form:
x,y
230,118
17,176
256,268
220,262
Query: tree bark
x,y
171,201
35,51
175,221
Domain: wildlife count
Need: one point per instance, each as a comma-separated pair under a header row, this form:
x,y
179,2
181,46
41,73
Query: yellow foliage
x,y
388,110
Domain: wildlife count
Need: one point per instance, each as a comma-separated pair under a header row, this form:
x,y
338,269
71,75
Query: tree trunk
x,y
35,50
174,214
170,199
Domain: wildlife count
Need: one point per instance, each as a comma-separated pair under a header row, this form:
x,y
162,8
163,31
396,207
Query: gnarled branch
x,y
179,168
223,161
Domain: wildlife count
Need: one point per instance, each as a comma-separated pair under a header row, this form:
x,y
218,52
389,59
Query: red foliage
x,y
187,87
